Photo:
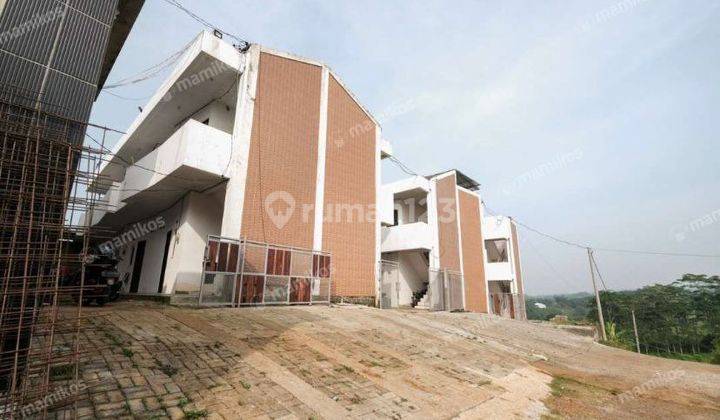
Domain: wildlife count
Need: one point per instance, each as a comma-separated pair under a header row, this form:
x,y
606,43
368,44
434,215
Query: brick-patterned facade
x,y
448,235
283,150
350,193
516,258
472,253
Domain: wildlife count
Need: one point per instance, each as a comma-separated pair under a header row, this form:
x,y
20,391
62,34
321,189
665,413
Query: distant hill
x,y
574,305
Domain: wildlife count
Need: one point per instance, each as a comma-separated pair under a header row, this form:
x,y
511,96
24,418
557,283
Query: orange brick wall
x,y
472,253
448,237
283,150
349,181
516,258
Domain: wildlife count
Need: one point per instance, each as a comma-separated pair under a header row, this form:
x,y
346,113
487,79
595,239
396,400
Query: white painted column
x,y
484,254
432,213
238,167
378,198
460,249
322,147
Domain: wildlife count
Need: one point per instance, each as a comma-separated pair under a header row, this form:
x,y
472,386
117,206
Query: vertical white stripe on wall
x,y
460,248
238,167
378,198
322,146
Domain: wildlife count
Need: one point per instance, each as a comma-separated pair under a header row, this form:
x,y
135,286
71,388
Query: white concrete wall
x,y
192,219
220,115
154,249
202,216
412,275
407,237
498,227
194,145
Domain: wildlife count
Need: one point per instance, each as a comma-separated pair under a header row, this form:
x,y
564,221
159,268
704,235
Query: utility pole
x,y
597,296
637,339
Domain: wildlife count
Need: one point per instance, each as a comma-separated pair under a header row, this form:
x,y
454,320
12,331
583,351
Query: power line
x,y
149,72
124,97
244,44
618,250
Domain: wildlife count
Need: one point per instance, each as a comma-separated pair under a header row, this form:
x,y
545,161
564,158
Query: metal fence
x,y
389,284
244,273
508,305
445,290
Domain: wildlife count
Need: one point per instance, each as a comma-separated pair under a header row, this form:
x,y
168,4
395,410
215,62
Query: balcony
x,y
193,156
499,271
411,236
192,159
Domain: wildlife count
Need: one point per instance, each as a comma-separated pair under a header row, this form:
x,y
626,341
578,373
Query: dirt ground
x,y
147,360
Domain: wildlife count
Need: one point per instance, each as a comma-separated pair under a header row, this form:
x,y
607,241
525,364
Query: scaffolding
x,y
46,212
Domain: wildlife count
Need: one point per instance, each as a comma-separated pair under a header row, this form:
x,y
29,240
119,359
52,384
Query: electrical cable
x,y
149,72
244,44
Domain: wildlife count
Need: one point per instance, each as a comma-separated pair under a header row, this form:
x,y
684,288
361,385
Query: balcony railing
x,y
407,237
193,147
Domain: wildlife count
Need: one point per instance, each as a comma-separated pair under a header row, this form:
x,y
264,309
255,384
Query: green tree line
x,y
679,320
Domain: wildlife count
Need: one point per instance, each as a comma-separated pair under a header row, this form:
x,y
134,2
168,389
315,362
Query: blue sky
x,y
593,121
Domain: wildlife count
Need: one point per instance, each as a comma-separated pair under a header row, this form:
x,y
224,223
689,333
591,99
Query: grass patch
x,y
196,414
245,385
343,368
127,352
183,402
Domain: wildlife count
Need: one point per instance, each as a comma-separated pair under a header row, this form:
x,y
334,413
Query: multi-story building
x,y
246,143
259,163
503,270
440,251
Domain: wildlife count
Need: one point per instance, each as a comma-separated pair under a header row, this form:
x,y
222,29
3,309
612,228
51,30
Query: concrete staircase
x,y
424,302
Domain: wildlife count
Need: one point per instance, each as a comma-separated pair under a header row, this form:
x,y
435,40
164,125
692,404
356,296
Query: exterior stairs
x,y
424,302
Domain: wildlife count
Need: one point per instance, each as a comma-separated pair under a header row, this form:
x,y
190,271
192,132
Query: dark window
x,y
206,122
396,217
497,250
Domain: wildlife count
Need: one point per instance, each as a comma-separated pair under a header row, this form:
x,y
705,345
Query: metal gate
x,y
445,290
245,273
389,284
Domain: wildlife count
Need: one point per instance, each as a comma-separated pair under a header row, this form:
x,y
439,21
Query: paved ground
x,y
154,361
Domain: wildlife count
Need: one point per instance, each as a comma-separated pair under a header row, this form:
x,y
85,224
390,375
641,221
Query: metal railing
x,y
445,290
247,273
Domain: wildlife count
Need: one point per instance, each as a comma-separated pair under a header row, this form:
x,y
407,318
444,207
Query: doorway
x,y
137,267
161,283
